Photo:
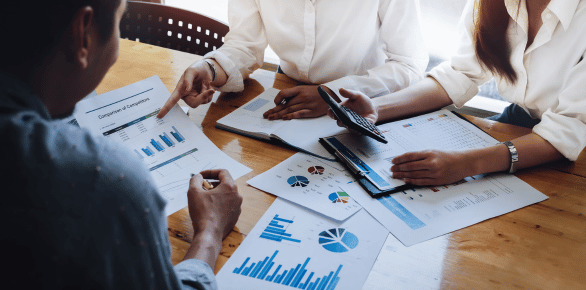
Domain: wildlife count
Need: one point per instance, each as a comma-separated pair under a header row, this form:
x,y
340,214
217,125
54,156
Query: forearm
x,y
424,96
205,247
532,149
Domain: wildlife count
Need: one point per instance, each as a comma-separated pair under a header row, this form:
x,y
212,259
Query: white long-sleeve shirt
x,y
374,46
551,72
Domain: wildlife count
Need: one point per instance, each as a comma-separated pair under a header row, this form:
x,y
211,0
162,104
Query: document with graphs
x,y
172,148
294,248
419,214
311,182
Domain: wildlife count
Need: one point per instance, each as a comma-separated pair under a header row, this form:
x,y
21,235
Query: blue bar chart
x,y
147,150
166,139
177,135
276,230
293,277
157,145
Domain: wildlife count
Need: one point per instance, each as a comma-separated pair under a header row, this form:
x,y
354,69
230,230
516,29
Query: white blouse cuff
x,y
459,87
235,81
566,134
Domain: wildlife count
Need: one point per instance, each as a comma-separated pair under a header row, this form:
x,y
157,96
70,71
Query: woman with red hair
x,y
535,50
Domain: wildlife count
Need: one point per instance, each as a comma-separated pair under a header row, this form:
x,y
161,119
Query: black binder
x,y
364,182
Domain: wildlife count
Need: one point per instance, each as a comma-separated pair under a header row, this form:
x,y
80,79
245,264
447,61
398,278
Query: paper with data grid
x,y
440,130
172,148
310,182
294,248
420,214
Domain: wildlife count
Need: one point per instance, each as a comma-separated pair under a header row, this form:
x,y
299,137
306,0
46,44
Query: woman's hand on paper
x,y
194,88
432,167
300,102
359,103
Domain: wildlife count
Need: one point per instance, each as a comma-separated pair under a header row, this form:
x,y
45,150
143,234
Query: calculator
x,y
352,119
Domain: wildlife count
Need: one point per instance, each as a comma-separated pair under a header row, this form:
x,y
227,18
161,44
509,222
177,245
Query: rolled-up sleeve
x,y
404,49
243,50
196,274
462,75
564,126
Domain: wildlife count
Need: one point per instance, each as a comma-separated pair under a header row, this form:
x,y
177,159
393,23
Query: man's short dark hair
x,y
31,29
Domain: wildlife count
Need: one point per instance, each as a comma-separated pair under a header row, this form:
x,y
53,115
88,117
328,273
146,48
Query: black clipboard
x,y
370,188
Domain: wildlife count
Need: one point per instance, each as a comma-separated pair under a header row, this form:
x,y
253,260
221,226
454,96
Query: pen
x,y
206,184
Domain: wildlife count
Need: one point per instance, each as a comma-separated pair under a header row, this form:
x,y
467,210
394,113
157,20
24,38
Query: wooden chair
x,y
172,28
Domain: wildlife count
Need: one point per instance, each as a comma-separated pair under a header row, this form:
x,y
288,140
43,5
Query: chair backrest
x,y
172,28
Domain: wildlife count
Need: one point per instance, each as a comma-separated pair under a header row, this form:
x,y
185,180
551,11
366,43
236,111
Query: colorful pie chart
x,y
298,181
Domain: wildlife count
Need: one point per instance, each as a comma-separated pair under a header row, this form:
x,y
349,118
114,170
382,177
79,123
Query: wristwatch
x,y
212,67
514,155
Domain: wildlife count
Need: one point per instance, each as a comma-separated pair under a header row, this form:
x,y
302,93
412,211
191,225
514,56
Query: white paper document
x,y
417,215
310,182
291,247
172,148
440,130
300,133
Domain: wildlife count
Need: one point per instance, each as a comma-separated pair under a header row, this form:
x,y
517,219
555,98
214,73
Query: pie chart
x,y
316,170
298,181
339,197
338,240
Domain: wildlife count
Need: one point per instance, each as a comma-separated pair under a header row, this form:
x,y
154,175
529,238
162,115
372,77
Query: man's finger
x,y
220,174
196,181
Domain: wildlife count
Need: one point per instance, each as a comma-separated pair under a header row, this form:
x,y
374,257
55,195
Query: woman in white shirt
x,y
535,50
374,46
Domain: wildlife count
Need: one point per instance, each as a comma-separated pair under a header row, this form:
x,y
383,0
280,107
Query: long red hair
x,y
491,20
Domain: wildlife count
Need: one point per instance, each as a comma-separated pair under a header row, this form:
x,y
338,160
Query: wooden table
x,y
542,246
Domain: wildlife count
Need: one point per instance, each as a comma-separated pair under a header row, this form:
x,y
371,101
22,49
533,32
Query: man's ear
x,y
83,33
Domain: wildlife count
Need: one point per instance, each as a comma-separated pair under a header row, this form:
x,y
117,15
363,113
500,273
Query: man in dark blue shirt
x,y
77,211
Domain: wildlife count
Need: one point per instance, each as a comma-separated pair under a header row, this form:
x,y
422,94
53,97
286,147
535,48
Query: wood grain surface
x,y
542,246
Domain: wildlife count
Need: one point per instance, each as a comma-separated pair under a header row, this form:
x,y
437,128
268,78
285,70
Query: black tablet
x,y
352,119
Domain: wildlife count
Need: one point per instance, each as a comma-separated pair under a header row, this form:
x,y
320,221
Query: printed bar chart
x,y
166,139
138,153
147,151
177,135
276,232
157,145
292,277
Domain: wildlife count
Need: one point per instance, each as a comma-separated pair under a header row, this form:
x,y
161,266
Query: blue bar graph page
x,y
295,248
172,148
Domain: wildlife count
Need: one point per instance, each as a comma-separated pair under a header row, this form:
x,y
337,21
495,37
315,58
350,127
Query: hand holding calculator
x,y
352,119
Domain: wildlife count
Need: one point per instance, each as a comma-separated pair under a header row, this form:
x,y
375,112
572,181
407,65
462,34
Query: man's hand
x,y
359,103
303,102
432,167
214,211
194,88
